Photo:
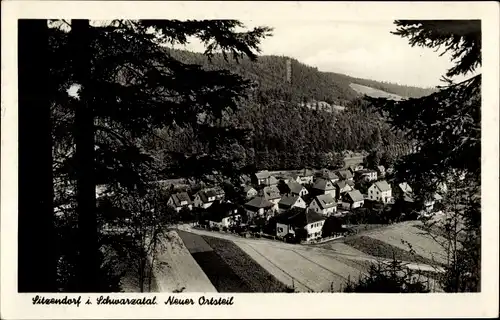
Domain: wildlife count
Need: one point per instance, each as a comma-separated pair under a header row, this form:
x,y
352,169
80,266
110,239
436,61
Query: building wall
x,y
282,229
375,194
314,230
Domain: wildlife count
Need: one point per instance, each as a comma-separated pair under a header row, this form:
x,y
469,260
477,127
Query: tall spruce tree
x,y
128,88
446,126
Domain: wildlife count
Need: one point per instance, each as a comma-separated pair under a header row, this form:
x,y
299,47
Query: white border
x,y
484,304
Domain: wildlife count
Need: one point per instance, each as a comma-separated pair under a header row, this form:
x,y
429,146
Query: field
x,y
371,92
250,272
424,246
228,267
381,249
305,268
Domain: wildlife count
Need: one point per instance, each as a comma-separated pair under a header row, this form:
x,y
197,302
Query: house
x,y
356,167
404,192
261,177
381,170
223,214
353,159
309,221
342,187
429,204
306,176
324,204
250,192
289,202
297,189
345,174
328,175
352,200
293,177
271,193
180,200
259,207
245,180
380,191
205,198
367,174
323,186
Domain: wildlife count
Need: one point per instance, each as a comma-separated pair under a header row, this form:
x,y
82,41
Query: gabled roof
x,y
382,185
326,201
259,202
248,188
179,197
323,184
304,218
354,196
345,174
272,180
350,183
264,174
288,201
342,184
220,210
405,187
306,173
437,197
295,187
270,192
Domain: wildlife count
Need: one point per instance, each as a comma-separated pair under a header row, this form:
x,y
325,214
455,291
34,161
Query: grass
x,y
378,248
255,276
228,267
220,273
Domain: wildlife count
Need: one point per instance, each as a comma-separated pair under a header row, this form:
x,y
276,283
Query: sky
x,y
364,49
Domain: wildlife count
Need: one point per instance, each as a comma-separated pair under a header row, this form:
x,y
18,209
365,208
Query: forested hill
x,y
307,83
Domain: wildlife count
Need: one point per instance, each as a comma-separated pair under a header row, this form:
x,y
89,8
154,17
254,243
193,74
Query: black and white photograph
x,y
229,155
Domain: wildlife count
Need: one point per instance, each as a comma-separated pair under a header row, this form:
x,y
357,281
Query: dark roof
x,y
305,217
354,196
179,197
323,184
326,201
383,185
270,192
288,201
345,174
259,202
342,183
295,187
248,188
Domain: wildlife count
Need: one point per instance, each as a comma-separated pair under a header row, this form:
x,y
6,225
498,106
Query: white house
x,y
324,204
310,221
180,200
223,214
205,198
367,174
261,177
297,189
250,192
380,191
324,186
260,207
353,199
381,170
289,202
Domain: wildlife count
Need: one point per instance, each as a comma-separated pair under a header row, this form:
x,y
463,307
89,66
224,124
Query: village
x,y
306,206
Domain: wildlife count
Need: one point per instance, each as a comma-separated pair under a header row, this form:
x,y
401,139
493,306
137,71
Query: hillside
x,y
307,83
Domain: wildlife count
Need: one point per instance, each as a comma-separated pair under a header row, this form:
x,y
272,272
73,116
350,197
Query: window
x,y
280,230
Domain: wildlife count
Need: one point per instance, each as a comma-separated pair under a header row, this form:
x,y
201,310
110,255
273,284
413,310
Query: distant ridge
x,y
306,83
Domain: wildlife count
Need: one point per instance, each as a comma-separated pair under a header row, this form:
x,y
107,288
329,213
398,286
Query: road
x,y
300,247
